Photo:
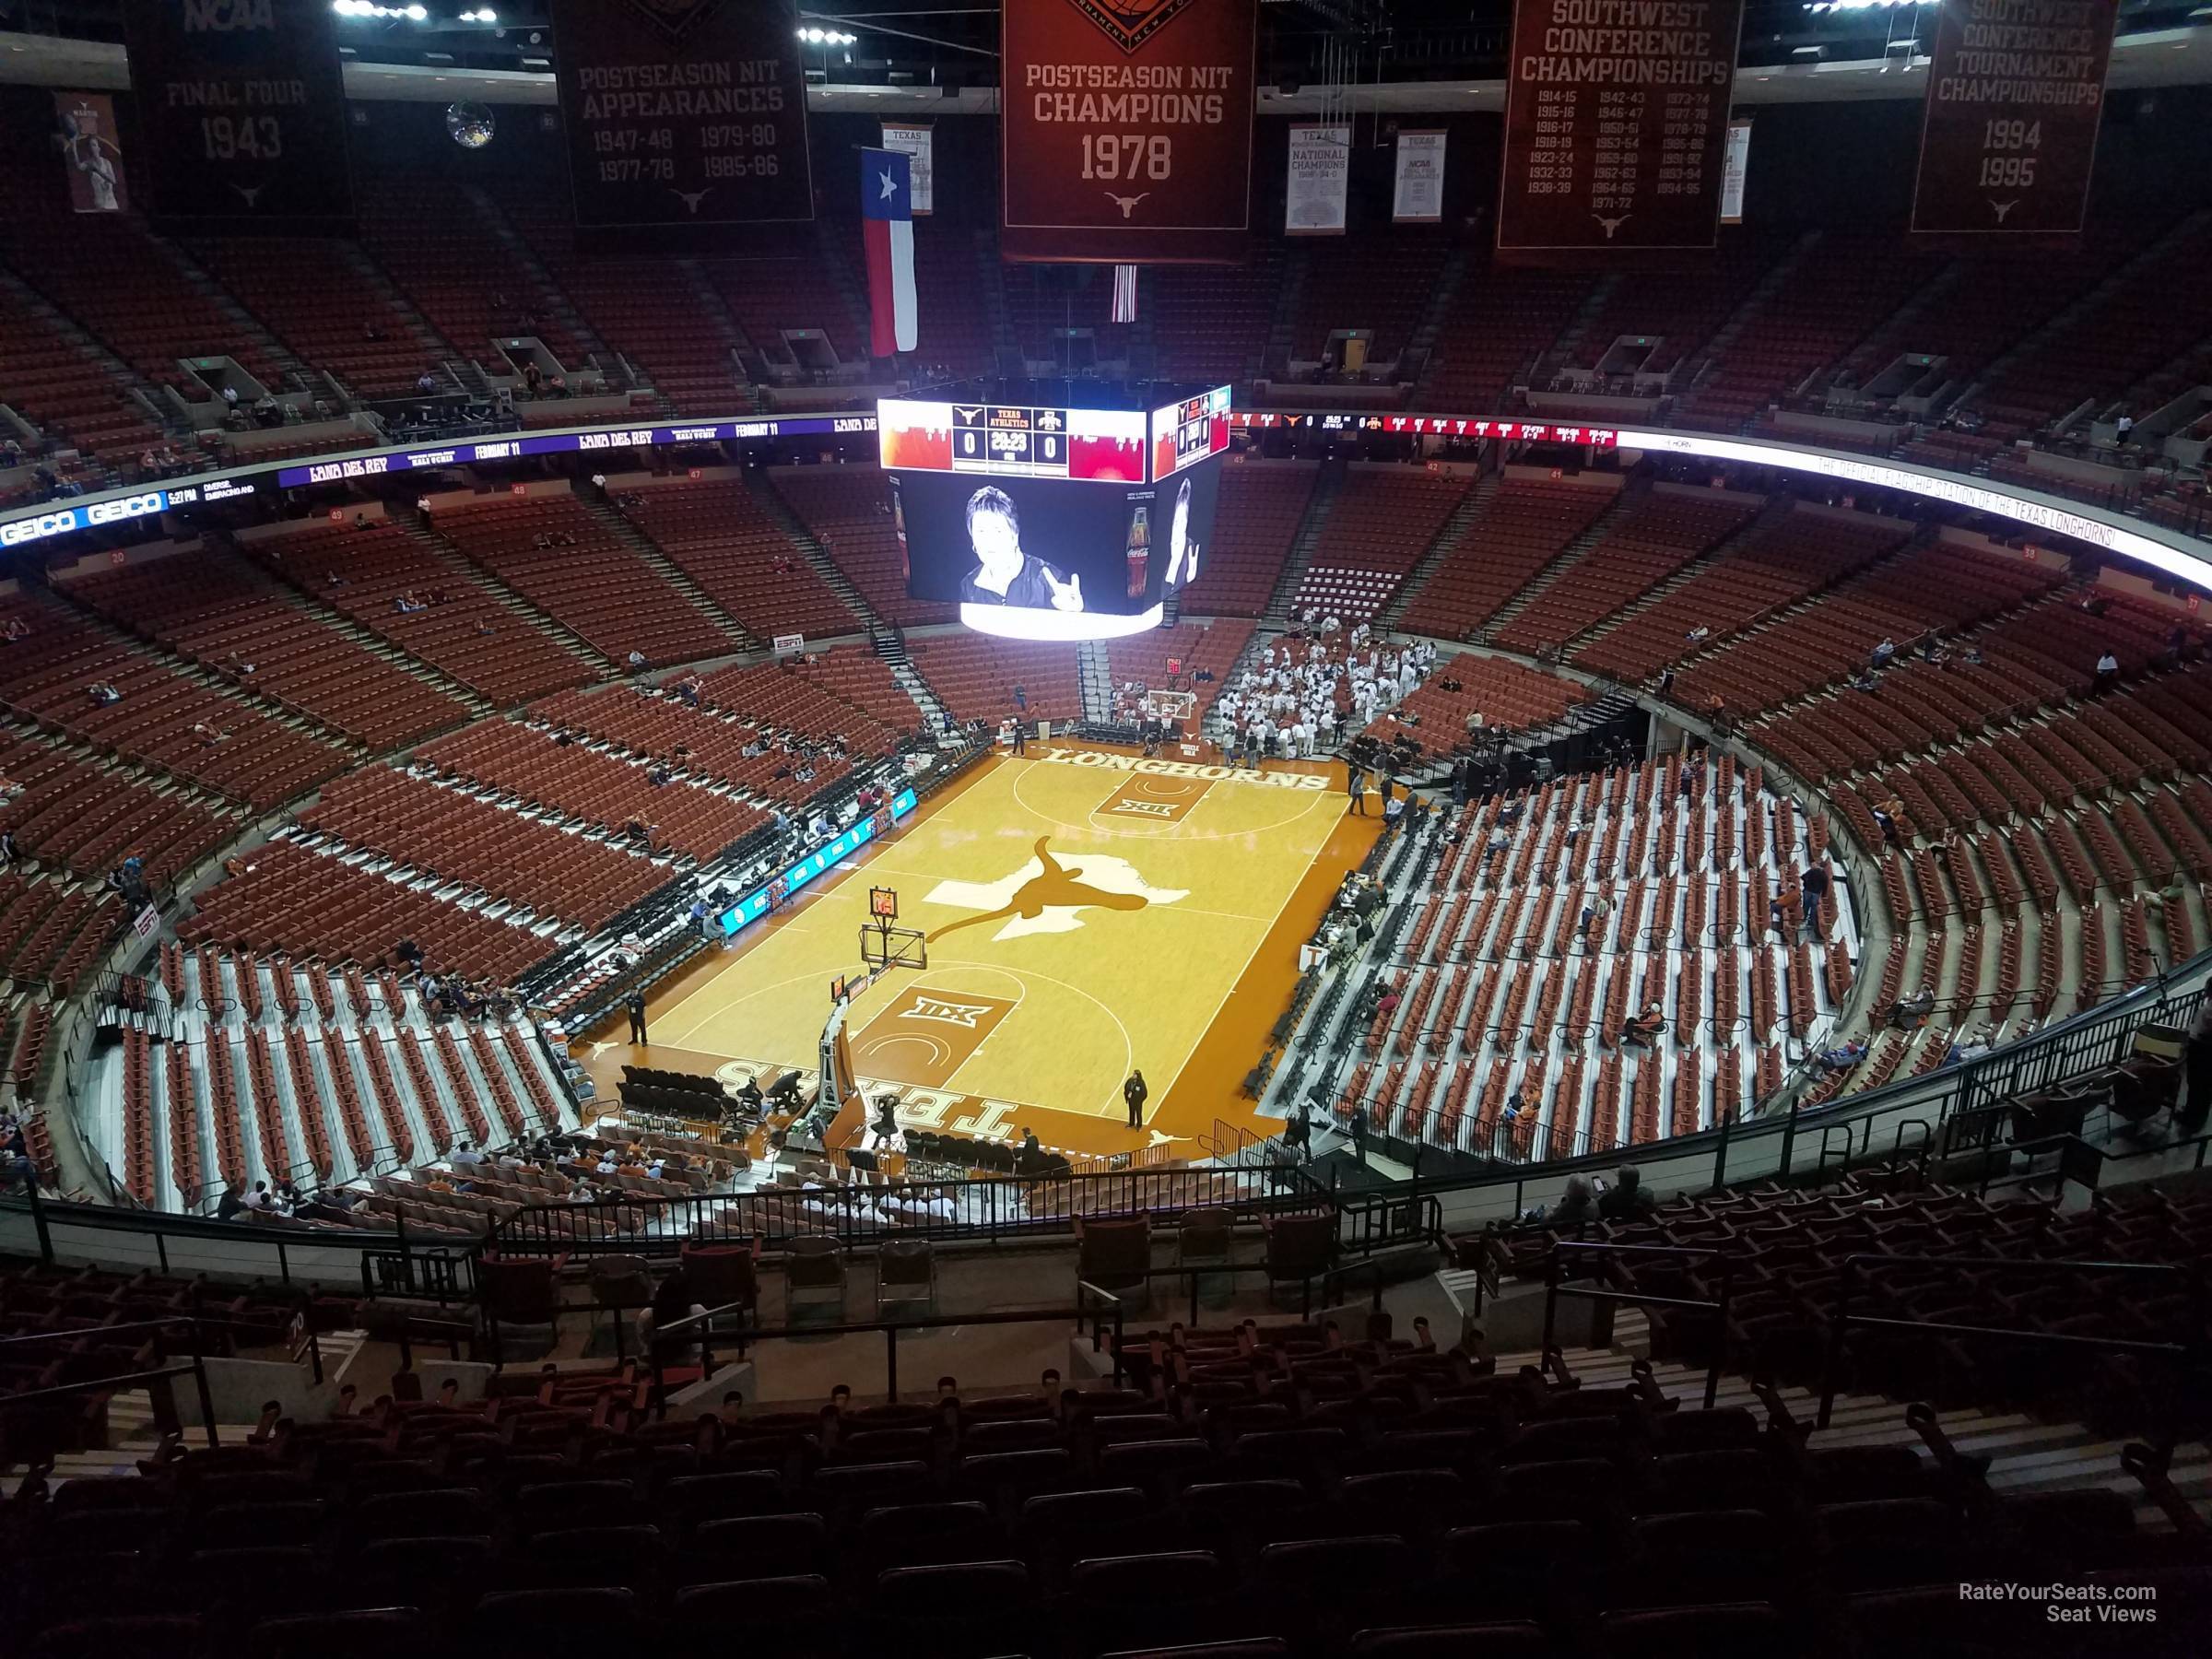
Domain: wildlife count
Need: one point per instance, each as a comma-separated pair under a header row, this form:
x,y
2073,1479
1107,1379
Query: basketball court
x,y
1075,914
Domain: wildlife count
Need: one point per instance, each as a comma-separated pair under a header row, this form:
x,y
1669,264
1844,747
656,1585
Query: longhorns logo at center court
x,y
1045,895
1130,23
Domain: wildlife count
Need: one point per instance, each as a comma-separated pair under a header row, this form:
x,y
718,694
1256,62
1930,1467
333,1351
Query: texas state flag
x,y
887,207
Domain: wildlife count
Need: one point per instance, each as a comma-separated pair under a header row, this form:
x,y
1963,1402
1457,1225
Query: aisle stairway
x,y
2026,1454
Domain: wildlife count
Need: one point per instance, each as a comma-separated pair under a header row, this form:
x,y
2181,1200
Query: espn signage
x,y
1615,122
1126,126
242,111
2015,92
685,112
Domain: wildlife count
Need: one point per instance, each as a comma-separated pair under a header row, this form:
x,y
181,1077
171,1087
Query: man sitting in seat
x,y
1625,1200
1645,1028
1912,1011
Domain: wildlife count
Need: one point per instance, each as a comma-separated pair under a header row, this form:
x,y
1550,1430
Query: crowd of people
x,y
1303,696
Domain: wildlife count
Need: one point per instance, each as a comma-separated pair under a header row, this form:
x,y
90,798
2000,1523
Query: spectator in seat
x,y
1913,1010
1576,1207
466,1158
636,660
2108,674
1841,1057
1645,1028
260,1201
102,693
1626,1200
232,1201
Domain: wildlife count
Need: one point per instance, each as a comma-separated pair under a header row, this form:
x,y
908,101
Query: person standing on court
x,y
1022,735
636,1003
1135,1092
1355,785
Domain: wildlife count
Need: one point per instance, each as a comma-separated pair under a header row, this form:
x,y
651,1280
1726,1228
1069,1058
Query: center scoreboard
x,y
1045,522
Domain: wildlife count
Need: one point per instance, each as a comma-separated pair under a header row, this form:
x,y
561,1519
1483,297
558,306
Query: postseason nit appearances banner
x,y
242,111
1128,130
1616,118
2015,95
686,112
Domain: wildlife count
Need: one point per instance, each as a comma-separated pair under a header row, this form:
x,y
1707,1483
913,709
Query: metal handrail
x,y
1718,1305
197,1370
699,1327
2185,1352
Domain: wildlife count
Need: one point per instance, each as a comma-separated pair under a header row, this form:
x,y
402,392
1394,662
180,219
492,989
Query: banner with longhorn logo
x,y
1128,130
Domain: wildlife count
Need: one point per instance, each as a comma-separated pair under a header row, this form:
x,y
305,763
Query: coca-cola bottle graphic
x,y
1140,550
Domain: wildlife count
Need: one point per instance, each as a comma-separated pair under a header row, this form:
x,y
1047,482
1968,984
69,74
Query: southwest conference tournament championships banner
x,y
2009,131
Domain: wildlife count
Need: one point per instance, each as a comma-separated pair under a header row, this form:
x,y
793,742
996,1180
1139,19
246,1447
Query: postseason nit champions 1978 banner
x,y
1128,127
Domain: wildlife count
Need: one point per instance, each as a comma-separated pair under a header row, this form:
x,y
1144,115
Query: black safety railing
x,y
1098,1310
1717,1305
2184,1352
158,1381
854,1213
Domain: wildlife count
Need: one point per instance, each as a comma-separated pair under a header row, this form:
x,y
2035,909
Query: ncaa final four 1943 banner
x,y
683,113
1127,129
2016,91
1616,118
242,111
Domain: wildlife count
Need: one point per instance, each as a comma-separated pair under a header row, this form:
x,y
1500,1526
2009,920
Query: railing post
x,y
890,1361
1834,1362
1551,1296
1720,1154
37,1222
1789,1136
1720,1335
199,1378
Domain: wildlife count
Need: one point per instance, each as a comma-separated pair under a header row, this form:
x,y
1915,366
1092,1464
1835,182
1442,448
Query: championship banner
x,y
2009,131
1734,169
1616,116
92,151
1127,130
1419,196
684,112
242,110
917,142
1320,178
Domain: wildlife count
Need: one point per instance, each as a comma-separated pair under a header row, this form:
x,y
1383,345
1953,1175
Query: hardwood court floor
x,y
1084,918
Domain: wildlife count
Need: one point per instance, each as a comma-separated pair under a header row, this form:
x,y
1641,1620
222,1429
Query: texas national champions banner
x,y
1128,130
683,113
2009,131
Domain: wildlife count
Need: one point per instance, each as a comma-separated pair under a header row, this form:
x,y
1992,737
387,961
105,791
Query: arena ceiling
x,y
1402,54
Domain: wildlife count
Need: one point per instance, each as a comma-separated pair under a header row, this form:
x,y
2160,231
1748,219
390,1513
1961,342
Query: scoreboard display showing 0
x,y
1126,127
242,109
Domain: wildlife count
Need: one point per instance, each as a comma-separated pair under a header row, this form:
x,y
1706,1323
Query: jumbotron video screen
x,y
1045,522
